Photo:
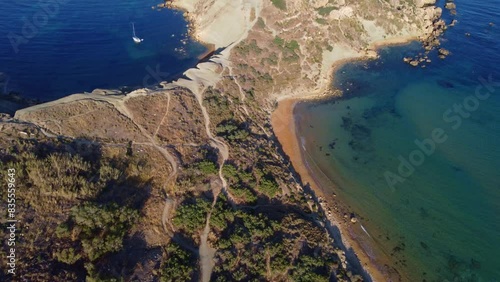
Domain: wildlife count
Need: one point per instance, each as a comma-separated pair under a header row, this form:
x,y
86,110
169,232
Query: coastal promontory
x,y
198,179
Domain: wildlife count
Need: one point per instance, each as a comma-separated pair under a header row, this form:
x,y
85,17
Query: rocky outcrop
x,y
424,3
221,23
434,27
443,53
450,6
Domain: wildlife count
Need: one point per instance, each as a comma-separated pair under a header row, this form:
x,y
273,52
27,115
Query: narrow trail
x,y
206,252
164,116
167,210
200,79
122,108
242,93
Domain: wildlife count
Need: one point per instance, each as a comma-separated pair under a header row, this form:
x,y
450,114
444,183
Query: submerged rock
x,y
450,6
445,84
443,52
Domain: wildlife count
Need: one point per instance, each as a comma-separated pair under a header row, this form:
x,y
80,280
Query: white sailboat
x,y
134,37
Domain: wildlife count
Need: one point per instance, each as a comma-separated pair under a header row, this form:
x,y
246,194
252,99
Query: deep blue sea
x,y
53,48
415,152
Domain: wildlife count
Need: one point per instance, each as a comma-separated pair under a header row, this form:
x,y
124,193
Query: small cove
x,y
441,221
79,46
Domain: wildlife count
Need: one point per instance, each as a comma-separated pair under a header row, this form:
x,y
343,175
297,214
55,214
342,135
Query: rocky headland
x,y
221,140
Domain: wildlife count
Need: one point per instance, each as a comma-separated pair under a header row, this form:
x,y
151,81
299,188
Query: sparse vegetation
x,y
321,21
191,217
93,208
231,130
179,265
279,41
101,229
290,49
261,23
268,186
207,167
66,197
325,11
250,48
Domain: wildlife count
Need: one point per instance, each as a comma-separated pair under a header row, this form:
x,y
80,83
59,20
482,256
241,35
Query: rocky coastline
x,y
433,30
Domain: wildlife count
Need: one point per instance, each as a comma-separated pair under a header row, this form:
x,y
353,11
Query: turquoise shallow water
x,y
52,48
433,206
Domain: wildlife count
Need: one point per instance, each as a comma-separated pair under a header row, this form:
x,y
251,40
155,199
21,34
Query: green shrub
x,y
321,21
325,11
230,172
179,264
102,229
244,193
63,231
207,167
280,4
222,214
310,268
292,45
279,41
192,217
261,23
231,130
68,256
269,187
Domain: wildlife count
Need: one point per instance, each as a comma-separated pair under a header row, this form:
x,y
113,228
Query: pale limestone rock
x,y
424,3
450,6
342,13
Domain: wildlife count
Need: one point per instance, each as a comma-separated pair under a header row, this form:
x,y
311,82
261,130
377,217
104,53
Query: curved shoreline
x,y
373,259
283,117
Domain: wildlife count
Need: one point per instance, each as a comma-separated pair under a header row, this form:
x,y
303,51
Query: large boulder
x,y
450,6
424,3
444,52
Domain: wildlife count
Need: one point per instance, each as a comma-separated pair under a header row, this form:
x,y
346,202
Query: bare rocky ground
x,y
199,160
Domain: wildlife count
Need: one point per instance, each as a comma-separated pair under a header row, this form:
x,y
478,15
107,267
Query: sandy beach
x,y
212,27
374,265
371,257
